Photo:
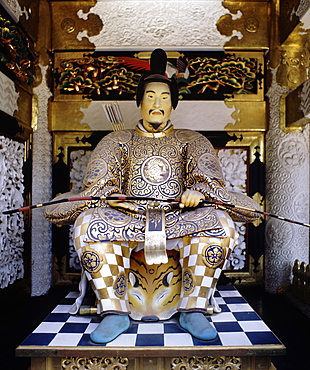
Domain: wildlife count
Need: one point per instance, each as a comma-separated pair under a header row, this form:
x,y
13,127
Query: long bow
x,y
155,200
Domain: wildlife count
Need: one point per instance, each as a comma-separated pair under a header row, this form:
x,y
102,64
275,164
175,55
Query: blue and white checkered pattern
x,y
237,325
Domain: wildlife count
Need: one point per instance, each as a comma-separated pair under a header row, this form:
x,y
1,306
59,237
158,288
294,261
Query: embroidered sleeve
x,y
103,177
104,173
204,174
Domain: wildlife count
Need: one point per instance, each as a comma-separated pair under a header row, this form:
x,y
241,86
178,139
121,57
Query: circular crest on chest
x,y
156,170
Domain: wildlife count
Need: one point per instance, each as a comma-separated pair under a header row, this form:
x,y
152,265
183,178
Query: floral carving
x,y
234,166
206,363
41,191
150,23
11,197
94,363
292,152
287,163
15,53
108,76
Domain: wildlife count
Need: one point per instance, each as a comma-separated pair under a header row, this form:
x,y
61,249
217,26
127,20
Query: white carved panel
x,y
8,95
11,226
234,167
41,192
14,9
169,24
305,99
78,162
287,195
303,10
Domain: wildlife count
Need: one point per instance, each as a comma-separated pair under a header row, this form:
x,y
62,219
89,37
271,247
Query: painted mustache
x,y
155,125
156,110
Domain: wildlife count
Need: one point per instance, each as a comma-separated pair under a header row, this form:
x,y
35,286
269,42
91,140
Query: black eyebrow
x,y
165,92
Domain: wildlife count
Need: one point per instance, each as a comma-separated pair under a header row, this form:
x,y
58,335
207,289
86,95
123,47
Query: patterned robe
x,y
159,165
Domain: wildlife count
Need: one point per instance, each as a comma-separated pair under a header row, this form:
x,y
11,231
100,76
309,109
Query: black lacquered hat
x,y
157,73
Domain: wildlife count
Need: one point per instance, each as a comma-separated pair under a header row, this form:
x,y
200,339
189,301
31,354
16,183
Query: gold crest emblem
x,y
91,260
213,255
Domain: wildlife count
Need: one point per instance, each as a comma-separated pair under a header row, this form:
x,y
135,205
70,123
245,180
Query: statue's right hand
x,y
131,206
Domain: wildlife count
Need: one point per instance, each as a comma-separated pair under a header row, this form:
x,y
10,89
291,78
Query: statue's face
x,y
156,106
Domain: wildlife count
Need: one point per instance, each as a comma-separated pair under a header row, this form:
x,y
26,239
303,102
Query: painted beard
x,y
155,125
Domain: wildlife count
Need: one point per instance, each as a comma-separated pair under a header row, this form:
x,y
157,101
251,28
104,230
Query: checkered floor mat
x,y
237,325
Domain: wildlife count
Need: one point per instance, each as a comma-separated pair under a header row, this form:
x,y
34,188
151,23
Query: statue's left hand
x,y
131,206
191,198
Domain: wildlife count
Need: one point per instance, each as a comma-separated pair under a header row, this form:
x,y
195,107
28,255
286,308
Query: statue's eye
x,y
167,278
134,281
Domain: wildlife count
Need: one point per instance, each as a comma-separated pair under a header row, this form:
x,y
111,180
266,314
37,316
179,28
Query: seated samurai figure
x,y
154,160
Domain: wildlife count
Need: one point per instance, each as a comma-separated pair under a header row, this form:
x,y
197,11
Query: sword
x,y
155,237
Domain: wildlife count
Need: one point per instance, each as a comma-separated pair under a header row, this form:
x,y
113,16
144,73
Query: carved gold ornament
x,y
247,19
68,25
15,52
294,60
251,24
230,72
94,363
96,76
206,363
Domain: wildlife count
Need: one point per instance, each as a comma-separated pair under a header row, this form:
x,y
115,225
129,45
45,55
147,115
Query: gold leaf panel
x,y
67,24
